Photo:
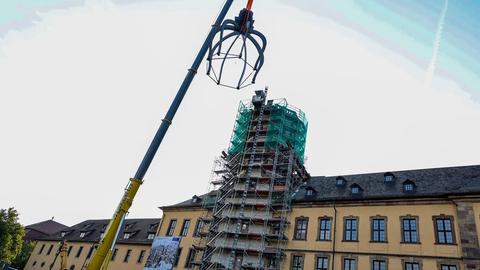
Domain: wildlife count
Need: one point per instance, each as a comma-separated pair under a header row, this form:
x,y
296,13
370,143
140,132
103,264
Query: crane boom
x,y
98,258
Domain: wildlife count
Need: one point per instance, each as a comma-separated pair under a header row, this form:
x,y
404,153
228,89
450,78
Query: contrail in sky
x,y
436,46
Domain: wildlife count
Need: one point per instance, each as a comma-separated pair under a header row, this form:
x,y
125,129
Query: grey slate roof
x,y
436,182
139,229
42,229
428,183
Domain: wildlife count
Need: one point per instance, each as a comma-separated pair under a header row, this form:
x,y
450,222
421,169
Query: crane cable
x,y
244,26
249,5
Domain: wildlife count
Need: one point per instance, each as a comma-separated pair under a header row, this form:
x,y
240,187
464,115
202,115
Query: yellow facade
x,y
187,241
429,254
42,260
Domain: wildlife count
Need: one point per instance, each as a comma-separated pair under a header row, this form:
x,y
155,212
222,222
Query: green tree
x,y
11,235
21,260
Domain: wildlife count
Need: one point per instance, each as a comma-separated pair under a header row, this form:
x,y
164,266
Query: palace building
x,y
131,251
407,220
265,211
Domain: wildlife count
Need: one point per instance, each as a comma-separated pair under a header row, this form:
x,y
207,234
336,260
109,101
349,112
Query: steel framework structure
x,y
245,223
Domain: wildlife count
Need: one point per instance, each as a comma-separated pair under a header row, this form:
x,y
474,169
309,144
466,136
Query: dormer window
x,y
153,227
83,234
356,189
408,186
309,191
150,236
389,177
129,226
196,199
128,235
340,181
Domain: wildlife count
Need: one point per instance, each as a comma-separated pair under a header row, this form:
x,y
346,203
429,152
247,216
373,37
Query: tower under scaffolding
x,y
246,219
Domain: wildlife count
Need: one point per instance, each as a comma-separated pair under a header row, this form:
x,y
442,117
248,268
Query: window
x,y
114,254
171,227
408,186
127,256
297,262
444,230
126,235
49,249
179,252
322,263
409,230
185,227
41,249
356,189
72,267
42,264
379,230
79,252
309,192
301,225
388,177
412,266
198,228
448,267
65,233
150,236
90,251
379,265
196,199
340,181
102,235
190,258
69,250
83,234
34,263
350,229
141,256
324,228
349,264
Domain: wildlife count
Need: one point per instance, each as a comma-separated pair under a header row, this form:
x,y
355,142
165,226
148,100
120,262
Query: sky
x,y
84,85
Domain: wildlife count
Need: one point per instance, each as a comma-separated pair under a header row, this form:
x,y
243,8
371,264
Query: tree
x,y
11,235
21,260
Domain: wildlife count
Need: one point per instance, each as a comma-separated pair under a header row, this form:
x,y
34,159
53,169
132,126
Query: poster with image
x,y
163,253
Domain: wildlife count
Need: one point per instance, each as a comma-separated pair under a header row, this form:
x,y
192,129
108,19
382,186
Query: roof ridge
x,y
398,171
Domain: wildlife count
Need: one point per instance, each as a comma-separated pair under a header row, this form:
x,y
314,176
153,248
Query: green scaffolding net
x,y
240,130
287,126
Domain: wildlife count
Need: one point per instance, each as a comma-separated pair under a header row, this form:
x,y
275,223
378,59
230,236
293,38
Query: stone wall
x,y
468,235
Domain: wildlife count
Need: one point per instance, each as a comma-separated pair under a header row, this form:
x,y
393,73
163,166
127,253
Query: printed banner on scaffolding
x,y
163,253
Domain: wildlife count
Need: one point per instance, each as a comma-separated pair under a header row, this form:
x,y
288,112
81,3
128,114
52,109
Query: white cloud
x,y
83,92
